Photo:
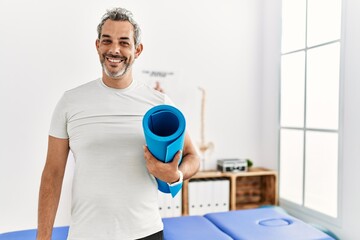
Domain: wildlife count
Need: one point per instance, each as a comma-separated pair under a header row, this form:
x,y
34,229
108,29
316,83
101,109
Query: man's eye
x,y
106,41
124,43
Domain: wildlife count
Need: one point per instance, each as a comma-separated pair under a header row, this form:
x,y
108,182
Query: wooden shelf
x,y
250,189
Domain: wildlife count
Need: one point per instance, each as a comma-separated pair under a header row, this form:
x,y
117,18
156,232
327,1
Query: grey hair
x,y
121,14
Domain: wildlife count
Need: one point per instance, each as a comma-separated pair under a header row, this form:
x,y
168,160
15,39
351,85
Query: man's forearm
x,y
49,196
190,165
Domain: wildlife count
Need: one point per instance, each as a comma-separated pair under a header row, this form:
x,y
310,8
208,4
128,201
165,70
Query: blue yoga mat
x,y
164,130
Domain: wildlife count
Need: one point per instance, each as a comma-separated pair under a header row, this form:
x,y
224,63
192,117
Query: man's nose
x,y
115,49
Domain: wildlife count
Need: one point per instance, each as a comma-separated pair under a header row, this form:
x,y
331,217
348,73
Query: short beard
x,y
118,74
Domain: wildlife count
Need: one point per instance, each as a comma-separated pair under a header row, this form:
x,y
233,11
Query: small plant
x,y
249,162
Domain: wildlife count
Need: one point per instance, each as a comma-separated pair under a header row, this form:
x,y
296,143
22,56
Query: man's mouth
x,y
114,60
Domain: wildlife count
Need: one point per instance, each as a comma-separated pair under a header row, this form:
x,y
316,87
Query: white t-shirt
x,y
113,196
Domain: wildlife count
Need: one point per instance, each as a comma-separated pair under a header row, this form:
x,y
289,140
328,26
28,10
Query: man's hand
x,y
158,87
167,172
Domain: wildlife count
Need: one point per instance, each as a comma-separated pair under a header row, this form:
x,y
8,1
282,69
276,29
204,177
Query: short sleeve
x,y
168,101
58,126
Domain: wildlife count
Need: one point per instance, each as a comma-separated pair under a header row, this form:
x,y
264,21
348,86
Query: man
x,y
114,192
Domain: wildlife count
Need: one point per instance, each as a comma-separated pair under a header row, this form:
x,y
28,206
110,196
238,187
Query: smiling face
x,y
117,52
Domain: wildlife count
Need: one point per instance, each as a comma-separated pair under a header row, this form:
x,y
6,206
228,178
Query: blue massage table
x,y
252,224
184,228
191,228
59,233
264,224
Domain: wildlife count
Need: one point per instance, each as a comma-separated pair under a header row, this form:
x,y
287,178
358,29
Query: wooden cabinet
x,y
250,189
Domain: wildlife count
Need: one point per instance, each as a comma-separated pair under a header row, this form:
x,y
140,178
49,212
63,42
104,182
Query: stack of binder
x,y
208,195
169,206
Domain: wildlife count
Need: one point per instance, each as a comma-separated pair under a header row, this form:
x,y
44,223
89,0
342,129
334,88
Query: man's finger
x,y
177,158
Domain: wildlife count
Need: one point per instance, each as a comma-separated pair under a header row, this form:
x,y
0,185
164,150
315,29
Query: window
x,y
309,105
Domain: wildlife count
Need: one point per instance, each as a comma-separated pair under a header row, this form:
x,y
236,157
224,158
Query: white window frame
x,y
302,211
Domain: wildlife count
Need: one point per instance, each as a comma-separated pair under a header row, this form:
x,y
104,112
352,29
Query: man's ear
x,y
97,43
138,50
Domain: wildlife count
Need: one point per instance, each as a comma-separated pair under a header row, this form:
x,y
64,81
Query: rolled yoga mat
x,y
164,130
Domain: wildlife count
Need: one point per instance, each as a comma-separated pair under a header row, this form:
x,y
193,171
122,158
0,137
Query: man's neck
x,y
118,83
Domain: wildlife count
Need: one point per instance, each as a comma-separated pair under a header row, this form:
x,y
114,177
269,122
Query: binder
x,y
176,205
161,202
225,194
200,197
216,195
168,210
168,206
193,197
207,196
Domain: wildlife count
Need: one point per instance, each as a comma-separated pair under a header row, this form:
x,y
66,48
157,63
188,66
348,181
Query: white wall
x,y
351,150
48,47
270,86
